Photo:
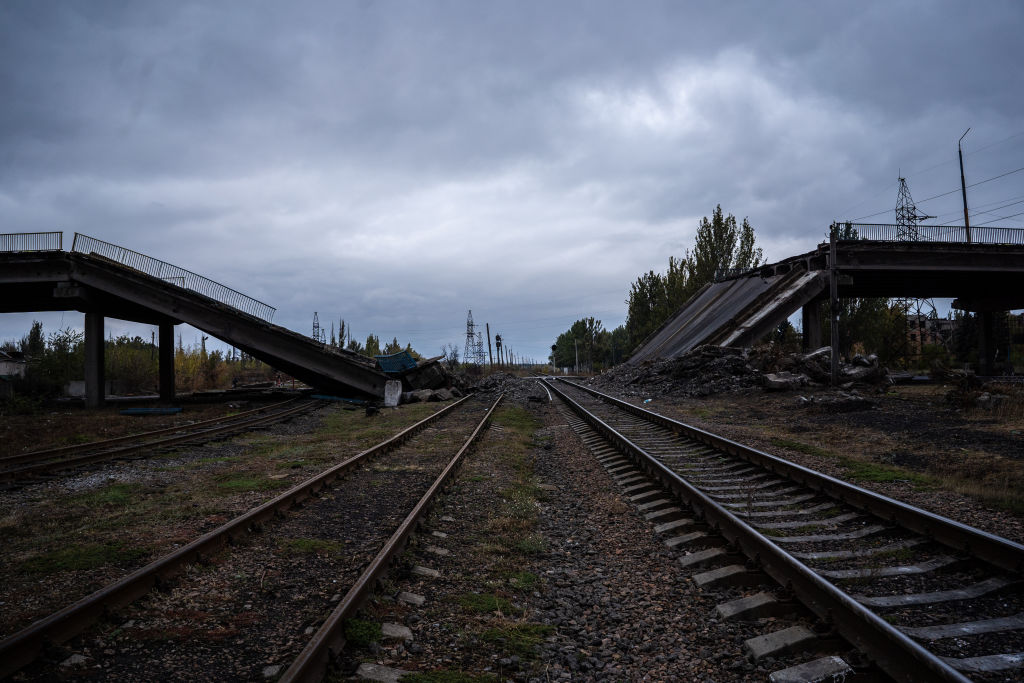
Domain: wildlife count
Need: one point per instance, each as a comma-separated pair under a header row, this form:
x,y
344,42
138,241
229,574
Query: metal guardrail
x,y
174,275
31,241
956,234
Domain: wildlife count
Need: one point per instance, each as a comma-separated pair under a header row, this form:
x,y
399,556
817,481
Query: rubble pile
x,y
516,389
703,371
969,393
710,370
429,395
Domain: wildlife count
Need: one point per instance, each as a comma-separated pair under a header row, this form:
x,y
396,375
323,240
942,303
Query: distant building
x,y
12,367
923,330
12,364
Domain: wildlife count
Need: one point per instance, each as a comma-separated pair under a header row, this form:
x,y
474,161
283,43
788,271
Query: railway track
x,y
921,597
268,591
26,467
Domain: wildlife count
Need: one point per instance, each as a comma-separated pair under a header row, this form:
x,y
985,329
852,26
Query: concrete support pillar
x,y
95,377
986,343
811,316
166,362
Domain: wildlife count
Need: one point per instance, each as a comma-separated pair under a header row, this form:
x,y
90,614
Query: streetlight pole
x,y
963,185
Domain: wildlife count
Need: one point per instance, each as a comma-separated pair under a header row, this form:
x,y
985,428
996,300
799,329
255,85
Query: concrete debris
x,y
73,662
703,371
784,381
392,393
515,389
710,370
429,395
838,402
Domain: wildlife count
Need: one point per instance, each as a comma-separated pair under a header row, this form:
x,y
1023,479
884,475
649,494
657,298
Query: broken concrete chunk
x,y
392,393
784,381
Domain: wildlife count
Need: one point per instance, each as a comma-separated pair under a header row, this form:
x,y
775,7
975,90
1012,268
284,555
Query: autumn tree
x,y
721,245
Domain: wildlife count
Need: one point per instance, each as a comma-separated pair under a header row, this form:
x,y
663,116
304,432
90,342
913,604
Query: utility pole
x,y
489,354
963,185
833,286
576,368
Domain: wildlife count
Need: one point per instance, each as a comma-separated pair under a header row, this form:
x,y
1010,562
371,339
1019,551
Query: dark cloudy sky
x,y
396,163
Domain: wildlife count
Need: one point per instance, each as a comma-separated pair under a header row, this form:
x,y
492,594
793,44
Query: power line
x,y
978,208
925,170
991,211
957,189
1002,218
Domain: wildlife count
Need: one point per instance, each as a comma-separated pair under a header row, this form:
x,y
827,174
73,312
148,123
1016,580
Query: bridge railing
x,y
957,234
174,275
31,241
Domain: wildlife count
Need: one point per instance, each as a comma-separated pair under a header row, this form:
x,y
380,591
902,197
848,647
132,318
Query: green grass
x,y
859,470
517,419
518,639
360,633
524,581
801,447
290,465
113,494
879,473
83,557
312,546
241,482
484,603
533,544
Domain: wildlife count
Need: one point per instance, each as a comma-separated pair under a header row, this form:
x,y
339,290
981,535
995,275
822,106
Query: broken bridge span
x,y
104,280
983,270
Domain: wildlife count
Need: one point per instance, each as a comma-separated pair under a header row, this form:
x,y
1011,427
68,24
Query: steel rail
x,y
29,470
103,443
893,652
24,646
993,549
311,664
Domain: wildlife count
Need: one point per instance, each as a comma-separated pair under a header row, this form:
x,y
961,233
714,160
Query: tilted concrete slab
x,y
735,312
741,310
75,281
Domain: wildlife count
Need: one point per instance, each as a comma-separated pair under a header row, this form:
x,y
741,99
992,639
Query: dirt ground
x,y
64,425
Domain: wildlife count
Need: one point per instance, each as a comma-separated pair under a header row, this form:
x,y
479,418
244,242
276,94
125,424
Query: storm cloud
x,y
396,163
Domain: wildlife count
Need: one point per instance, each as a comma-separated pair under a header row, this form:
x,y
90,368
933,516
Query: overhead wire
x,y
925,170
943,194
1001,218
978,208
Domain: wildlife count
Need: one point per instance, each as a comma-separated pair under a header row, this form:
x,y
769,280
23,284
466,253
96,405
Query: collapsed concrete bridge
x,y
105,280
983,270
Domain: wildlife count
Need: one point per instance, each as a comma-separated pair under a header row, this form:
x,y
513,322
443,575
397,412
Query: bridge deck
x,y
58,280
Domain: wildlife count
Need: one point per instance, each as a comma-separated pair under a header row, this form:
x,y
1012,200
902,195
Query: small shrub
x,y
360,632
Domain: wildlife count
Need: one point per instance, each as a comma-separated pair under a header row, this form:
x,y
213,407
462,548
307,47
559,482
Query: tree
x,y
583,338
372,346
392,347
647,306
451,356
34,344
722,246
